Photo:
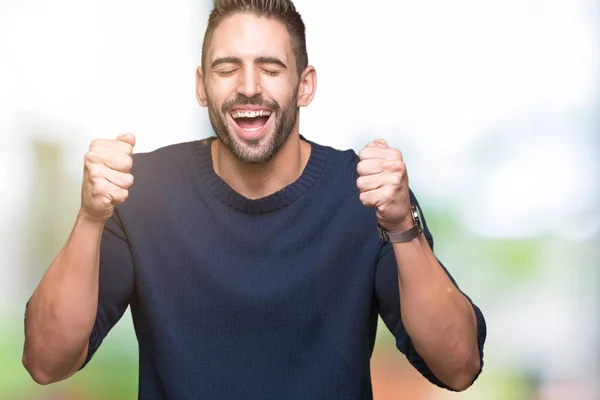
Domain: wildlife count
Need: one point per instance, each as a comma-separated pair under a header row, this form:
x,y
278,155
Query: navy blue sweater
x,y
232,298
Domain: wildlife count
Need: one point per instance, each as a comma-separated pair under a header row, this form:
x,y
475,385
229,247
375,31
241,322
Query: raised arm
x,y
61,313
435,324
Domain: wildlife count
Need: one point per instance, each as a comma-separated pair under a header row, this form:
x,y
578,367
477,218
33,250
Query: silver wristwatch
x,y
406,236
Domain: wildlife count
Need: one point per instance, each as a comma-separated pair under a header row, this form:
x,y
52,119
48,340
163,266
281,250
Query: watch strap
x,y
406,236
399,237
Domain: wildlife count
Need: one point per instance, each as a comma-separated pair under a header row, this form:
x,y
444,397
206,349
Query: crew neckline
x,y
315,166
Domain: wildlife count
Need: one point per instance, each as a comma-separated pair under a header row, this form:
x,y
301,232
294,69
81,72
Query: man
x,y
255,263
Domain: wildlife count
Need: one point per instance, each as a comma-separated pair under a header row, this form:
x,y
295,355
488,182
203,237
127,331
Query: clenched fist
x,y
383,185
106,177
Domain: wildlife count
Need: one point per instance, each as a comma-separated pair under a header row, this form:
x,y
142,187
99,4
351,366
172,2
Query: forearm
x,y
438,318
62,309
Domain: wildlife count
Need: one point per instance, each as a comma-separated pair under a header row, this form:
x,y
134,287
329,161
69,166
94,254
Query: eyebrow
x,y
271,60
259,60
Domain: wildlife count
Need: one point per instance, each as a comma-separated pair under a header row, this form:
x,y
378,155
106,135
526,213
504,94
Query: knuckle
x,y
94,144
397,154
366,199
124,147
128,161
88,157
360,168
125,181
97,189
396,166
390,193
95,170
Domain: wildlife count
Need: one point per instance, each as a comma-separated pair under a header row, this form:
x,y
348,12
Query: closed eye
x,y
271,72
225,73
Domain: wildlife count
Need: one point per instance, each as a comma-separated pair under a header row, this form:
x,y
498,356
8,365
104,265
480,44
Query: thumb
x,y
380,143
127,138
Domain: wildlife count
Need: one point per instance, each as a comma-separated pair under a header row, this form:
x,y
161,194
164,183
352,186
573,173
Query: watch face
x,y
381,232
417,217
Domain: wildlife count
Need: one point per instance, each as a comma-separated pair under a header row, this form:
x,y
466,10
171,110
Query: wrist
x,y
407,223
405,232
85,220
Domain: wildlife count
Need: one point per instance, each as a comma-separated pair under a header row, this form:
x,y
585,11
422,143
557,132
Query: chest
x,y
220,265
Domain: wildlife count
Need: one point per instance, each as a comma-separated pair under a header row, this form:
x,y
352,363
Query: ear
x,y
307,86
200,89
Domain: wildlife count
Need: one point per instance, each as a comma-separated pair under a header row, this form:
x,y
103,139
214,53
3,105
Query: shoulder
x,y
339,161
164,170
171,155
171,159
338,181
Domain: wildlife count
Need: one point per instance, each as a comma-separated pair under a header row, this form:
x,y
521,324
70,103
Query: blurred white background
x,y
495,105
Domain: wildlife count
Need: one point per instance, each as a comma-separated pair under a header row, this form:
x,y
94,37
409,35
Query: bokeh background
x,y
495,105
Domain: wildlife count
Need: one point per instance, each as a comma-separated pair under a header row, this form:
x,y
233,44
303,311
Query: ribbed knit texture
x,y
232,298
286,196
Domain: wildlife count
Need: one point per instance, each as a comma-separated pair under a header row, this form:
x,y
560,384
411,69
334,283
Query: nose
x,y
249,82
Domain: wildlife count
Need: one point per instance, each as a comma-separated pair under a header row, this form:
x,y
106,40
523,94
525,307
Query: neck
x,y
255,181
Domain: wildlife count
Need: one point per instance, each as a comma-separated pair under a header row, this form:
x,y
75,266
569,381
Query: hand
x,y
383,185
106,177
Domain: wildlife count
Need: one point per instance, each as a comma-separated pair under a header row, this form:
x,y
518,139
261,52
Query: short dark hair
x,y
282,10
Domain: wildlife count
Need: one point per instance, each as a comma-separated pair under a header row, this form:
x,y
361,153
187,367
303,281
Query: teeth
x,y
253,129
250,114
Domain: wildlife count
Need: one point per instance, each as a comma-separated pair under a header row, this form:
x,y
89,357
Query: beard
x,y
263,150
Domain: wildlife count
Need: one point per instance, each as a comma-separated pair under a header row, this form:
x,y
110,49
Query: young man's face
x,y
250,86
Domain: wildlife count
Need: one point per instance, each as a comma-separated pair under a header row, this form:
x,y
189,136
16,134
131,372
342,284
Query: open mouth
x,y
251,121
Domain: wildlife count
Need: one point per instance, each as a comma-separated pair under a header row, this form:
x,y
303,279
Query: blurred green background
x,y
495,105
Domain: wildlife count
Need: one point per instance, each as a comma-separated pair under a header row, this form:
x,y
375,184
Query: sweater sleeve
x,y
115,282
388,301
